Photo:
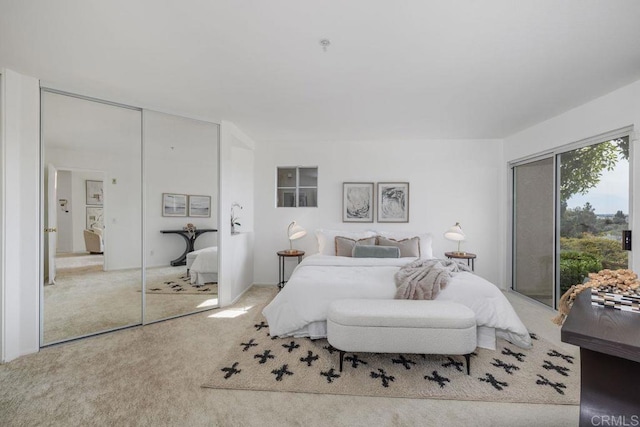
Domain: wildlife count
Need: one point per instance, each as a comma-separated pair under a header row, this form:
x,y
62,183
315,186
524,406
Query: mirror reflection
x,y
92,216
181,198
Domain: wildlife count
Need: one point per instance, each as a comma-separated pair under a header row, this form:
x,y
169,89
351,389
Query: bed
x,y
300,309
203,265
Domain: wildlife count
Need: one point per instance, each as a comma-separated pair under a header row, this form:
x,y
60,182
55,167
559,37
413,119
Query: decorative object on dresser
x,y
393,202
456,234
294,232
357,202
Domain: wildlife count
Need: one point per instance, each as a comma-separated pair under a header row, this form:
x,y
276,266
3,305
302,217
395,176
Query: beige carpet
x,y
257,361
91,302
152,376
180,284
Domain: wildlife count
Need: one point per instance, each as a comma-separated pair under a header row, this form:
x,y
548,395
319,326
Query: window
x,y
297,187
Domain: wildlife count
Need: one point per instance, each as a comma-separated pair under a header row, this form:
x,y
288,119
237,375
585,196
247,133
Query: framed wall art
x,y
200,206
174,204
357,202
393,202
95,194
95,217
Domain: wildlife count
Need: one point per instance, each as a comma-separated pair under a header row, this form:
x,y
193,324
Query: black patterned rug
x,y
179,284
542,374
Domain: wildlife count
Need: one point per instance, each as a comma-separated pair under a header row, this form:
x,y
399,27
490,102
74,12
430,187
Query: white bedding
x,y
204,268
300,309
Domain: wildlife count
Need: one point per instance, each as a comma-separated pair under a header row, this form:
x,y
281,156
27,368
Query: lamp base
x,y
291,251
459,253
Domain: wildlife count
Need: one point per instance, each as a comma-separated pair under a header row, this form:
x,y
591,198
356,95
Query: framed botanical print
x,y
174,204
393,202
357,202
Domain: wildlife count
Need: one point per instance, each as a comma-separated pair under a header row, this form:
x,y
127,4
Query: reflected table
x,y
190,240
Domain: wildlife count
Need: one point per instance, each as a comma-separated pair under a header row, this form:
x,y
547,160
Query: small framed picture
x,y
95,217
357,202
95,194
174,204
393,202
200,206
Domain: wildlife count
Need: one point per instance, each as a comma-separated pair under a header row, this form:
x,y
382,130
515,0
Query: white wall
x,y
64,217
613,111
450,180
236,255
21,224
181,156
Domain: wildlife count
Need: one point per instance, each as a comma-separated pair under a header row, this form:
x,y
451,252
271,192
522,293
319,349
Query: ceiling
x,y
412,69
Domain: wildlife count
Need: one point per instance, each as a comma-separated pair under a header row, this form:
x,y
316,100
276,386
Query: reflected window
x,y
297,186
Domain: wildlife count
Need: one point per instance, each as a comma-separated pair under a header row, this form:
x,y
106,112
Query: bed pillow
x,y
345,245
425,240
327,239
408,247
375,251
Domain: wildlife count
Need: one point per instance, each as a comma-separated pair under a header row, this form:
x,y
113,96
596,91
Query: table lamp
x,y
294,231
456,234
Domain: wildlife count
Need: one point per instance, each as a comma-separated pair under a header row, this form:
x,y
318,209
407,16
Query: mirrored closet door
x,y
181,223
92,214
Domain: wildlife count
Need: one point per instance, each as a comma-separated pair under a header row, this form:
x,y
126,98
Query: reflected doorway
x,y
92,215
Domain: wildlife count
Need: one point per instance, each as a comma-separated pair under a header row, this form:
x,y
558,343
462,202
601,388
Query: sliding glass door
x,y
594,209
533,230
569,211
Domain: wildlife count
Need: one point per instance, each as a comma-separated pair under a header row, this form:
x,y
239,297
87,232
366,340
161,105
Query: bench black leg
x,y
341,359
467,357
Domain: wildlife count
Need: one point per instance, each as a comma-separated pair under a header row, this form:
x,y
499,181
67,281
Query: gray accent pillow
x,y
408,247
373,251
345,245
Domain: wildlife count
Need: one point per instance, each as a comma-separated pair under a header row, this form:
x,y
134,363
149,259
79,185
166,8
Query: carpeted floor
x,y
90,302
542,374
152,376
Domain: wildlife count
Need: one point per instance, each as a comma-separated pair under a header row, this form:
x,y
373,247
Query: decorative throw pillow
x,y
426,251
374,251
327,239
408,247
345,245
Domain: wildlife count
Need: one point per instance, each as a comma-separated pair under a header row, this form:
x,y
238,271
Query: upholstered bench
x,y
401,326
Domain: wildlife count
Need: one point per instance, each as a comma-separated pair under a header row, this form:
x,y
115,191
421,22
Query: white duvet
x,y
300,309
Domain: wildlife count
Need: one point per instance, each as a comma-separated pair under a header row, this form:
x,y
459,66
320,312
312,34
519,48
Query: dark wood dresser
x,y
609,342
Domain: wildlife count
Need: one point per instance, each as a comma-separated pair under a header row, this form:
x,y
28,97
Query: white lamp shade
x,y
455,233
295,231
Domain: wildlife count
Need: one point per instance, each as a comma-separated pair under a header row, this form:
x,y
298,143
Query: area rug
x,y
510,374
179,284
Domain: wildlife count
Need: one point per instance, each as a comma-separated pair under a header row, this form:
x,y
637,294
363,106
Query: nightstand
x,y
281,257
471,258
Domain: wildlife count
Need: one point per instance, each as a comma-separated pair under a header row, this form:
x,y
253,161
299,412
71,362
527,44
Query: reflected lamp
x,y
294,232
455,234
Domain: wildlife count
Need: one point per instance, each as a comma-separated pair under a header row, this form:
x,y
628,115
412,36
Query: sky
x,y
610,195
